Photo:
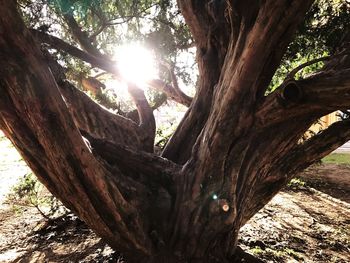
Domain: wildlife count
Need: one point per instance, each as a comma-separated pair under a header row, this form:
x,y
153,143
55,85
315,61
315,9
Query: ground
x,y
309,221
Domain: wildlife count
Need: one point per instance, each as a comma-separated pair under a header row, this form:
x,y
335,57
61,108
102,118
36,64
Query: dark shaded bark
x,y
232,152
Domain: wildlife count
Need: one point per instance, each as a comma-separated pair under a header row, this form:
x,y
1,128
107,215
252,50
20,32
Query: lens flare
x,y
136,64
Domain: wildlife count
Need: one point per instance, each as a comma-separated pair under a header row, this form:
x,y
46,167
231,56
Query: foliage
x,y
323,28
160,26
162,138
277,254
108,98
30,192
157,25
168,123
337,158
319,36
296,184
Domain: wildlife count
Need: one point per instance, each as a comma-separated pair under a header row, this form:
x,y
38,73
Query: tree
x,y
236,147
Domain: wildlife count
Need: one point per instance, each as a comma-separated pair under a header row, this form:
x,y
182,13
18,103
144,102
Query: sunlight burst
x,y
136,64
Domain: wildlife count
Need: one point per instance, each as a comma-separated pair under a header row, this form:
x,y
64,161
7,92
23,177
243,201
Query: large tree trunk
x,y
233,151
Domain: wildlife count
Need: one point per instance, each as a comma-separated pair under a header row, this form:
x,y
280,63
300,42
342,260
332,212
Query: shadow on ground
x,y
305,223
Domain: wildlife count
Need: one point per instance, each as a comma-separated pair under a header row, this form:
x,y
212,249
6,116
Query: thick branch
x,y
186,99
197,24
147,123
81,36
326,91
96,120
99,122
171,91
90,116
159,101
294,159
55,42
323,92
209,22
317,147
297,105
158,170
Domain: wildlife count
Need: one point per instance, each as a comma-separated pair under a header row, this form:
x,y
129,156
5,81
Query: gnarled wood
x,y
217,170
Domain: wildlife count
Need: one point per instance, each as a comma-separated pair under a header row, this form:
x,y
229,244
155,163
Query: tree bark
x,y
232,152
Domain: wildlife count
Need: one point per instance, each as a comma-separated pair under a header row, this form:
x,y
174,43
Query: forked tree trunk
x,y
233,151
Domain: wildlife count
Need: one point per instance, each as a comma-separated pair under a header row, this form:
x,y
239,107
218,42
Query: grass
x,y
297,184
337,158
277,254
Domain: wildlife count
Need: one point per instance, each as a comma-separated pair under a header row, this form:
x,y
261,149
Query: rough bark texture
x,y
232,152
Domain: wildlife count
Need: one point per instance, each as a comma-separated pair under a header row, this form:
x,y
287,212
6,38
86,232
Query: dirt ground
x,y
305,223
309,221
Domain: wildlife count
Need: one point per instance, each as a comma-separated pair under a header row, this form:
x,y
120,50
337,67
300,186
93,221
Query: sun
x,y
136,64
